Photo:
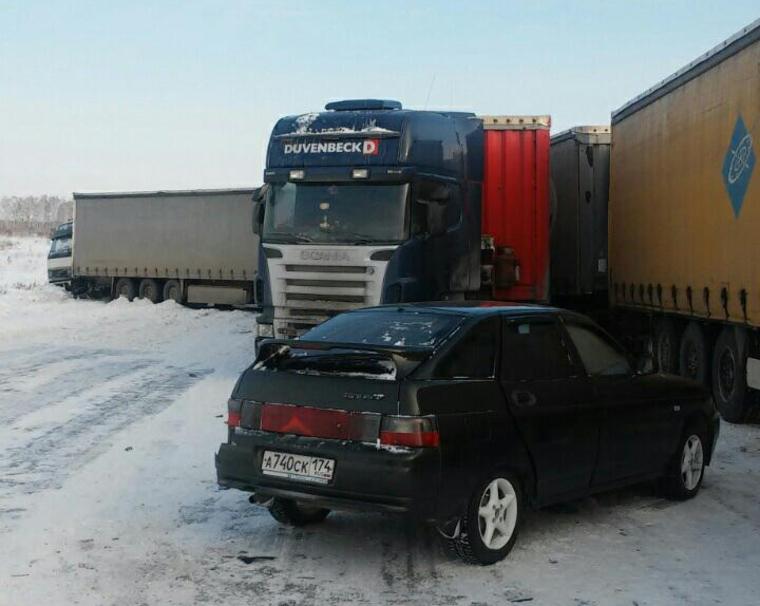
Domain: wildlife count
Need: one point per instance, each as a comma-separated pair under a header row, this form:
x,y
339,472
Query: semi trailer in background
x,y
684,220
195,247
368,203
580,171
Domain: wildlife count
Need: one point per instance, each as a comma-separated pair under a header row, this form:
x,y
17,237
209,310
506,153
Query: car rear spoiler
x,y
405,359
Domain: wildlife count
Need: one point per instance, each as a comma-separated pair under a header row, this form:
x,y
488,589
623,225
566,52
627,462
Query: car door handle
x,y
521,397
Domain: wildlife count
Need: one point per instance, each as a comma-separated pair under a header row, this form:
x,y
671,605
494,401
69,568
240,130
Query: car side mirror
x,y
645,364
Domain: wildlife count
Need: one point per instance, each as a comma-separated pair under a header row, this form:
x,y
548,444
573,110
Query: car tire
x,y
729,377
694,359
666,346
173,291
124,287
151,290
488,530
687,469
293,513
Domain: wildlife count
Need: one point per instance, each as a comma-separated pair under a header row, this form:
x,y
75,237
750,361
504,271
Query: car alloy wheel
x,y
488,528
692,462
497,513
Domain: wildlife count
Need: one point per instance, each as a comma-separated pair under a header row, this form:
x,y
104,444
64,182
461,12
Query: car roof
x,y
469,308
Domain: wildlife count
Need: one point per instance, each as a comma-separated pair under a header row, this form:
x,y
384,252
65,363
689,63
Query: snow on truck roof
x,y
729,47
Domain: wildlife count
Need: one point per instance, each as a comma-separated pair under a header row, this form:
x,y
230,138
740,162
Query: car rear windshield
x,y
398,327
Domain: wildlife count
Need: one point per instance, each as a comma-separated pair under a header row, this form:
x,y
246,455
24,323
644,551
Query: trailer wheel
x,y
666,346
729,376
694,362
173,291
150,289
124,287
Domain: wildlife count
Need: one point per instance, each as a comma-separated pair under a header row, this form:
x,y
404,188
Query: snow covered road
x,y
109,418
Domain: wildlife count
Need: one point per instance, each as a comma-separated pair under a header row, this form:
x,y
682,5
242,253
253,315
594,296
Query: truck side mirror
x,y
431,191
259,202
436,217
434,196
258,217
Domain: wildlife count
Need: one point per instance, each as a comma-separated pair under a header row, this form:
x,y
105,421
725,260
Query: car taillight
x,y
416,432
234,408
320,422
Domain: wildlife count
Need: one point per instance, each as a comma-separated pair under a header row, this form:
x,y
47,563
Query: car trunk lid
x,y
334,376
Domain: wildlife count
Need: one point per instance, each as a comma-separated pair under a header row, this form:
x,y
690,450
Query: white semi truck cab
x,y
59,262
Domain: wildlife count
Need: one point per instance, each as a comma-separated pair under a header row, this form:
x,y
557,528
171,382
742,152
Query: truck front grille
x,y
305,294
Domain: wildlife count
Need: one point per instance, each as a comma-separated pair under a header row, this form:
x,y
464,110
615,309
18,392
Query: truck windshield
x,y
336,213
60,247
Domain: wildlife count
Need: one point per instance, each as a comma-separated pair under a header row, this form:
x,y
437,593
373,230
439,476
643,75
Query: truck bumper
x,y
59,275
365,478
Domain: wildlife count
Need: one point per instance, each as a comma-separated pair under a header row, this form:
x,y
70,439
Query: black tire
x,y
469,544
666,346
150,289
694,358
172,291
124,287
677,483
729,376
293,513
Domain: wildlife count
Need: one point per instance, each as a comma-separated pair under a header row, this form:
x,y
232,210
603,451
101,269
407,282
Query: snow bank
x,y
22,263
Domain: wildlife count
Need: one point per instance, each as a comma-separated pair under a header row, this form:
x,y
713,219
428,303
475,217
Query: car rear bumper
x,y
366,478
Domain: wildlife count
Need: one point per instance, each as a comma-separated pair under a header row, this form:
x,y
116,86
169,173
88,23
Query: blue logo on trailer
x,y
738,165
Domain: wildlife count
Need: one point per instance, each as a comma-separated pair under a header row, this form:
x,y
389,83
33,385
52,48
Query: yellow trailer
x,y
684,218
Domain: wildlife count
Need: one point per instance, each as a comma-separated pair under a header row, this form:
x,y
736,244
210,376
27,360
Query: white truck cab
x,y
59,261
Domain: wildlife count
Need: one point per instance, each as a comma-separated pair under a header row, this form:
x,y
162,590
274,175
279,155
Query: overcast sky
x,y
164,95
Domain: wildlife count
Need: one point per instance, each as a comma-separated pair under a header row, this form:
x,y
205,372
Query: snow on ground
x,y
22,263
109,417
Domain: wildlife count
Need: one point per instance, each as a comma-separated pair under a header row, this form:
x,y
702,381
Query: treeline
x,y
33,215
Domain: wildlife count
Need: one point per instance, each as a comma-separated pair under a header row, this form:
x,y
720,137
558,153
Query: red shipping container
x,y
515,210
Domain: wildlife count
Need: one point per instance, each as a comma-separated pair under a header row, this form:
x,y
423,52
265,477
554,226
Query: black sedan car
x,y
462,415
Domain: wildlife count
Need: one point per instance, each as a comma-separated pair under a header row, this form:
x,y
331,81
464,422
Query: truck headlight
x,y
265,330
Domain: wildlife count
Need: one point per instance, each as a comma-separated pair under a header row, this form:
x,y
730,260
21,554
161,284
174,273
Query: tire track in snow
x,y
19,363
118,392
57,379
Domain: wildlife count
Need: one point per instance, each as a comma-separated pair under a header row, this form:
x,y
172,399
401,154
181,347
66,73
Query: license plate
x,y
297,467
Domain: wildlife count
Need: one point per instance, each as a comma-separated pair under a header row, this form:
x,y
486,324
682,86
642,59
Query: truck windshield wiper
x,y
359,239
299,238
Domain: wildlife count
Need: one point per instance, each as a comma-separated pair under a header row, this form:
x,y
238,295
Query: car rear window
x,y
393,328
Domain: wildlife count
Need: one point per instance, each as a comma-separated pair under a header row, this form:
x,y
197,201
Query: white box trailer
x,y
195,246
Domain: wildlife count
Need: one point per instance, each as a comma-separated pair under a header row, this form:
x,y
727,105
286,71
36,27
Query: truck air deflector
x,y
362,105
